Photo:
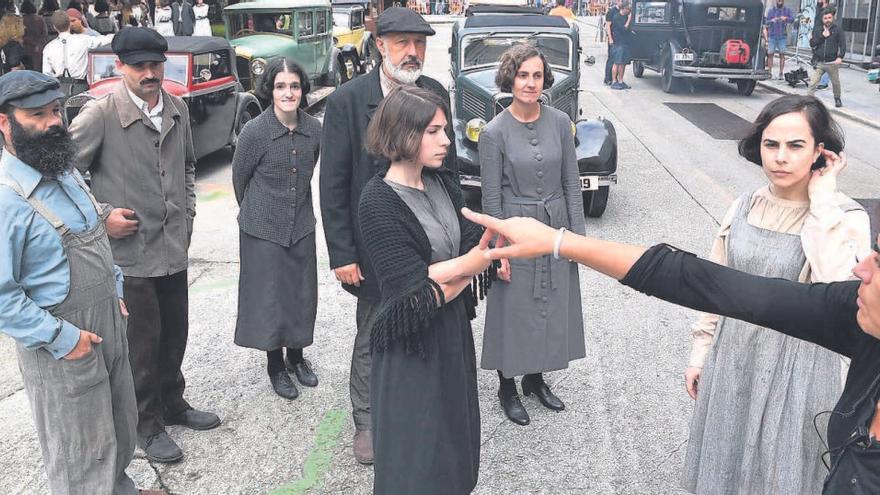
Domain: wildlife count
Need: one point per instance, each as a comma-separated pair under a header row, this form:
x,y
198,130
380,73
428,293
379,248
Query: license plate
x,y
683,57
589,183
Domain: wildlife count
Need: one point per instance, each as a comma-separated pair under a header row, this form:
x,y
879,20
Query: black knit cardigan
x,y
400,252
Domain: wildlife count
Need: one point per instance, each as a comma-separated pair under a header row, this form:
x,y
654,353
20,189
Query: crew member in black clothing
x,y
346,167
609,62
423,388
829,47
842,316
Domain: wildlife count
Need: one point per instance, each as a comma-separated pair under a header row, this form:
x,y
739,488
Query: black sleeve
x,y
817,38
841,44
334,183
820,313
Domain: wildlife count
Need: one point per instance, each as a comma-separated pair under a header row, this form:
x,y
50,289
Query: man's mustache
x,y
151,80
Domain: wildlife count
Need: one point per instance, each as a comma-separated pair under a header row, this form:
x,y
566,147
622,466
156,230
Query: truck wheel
x,y
670,82
638,69
745,86
596,201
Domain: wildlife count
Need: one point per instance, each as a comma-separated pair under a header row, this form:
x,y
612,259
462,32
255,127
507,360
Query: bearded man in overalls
x,y
61,296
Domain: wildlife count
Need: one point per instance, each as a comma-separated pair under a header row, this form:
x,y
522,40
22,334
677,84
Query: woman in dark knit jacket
x,y
425,410
841,316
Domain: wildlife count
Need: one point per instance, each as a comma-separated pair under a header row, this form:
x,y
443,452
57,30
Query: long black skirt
x,y
277,293
426,414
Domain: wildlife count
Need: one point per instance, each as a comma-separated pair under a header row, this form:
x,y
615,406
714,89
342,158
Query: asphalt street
x,y
624,430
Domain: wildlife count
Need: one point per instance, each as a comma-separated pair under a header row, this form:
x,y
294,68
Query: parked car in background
x,y
201,71
477,45
350,33
299,29
705,39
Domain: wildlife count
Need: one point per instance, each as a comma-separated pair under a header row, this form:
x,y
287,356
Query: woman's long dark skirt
x,y
426,414
277,294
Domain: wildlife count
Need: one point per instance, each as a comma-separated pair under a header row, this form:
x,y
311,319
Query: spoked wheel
x,y
745,86
638,69
670,82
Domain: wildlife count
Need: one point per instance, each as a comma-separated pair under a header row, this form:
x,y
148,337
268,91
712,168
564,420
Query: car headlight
x,y
574,129
473,128
258,65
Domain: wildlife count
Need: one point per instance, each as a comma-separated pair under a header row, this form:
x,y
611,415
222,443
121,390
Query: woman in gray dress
x,y
271,172
529,168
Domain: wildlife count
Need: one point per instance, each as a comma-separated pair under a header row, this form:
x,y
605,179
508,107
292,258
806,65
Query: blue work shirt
x,y
34,272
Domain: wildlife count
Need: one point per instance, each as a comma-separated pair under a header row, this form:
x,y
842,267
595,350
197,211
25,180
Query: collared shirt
x,y
775,24
77,48
34,271
155,115
386,82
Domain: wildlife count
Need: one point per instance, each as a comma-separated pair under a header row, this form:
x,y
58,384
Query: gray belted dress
x,y
84,410
535,322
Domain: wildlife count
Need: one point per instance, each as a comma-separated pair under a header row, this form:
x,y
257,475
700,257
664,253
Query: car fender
x,y
596,146
365,42
332,61
351,51
245,101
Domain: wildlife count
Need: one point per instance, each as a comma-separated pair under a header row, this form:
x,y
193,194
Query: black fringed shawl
x,y
400,252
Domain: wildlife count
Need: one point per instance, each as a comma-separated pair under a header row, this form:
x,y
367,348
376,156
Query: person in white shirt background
x,y
75,44
203,24
164,24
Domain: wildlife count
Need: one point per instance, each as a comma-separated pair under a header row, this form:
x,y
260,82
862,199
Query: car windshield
x,y
340,19
104,67
248,23
486,50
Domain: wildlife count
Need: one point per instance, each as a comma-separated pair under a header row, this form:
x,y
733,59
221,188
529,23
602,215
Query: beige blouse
x,y
832,240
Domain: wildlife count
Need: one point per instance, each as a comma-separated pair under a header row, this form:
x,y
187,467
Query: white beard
x,y
399,74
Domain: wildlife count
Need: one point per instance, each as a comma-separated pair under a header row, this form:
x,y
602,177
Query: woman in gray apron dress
x,y
272,172
529,168
757,391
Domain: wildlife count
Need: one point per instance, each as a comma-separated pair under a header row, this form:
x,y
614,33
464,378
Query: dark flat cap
x,y
402,20
134,45
28,89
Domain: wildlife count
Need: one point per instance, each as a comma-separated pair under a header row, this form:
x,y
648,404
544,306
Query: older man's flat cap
x,y
134,45
28,89
402,20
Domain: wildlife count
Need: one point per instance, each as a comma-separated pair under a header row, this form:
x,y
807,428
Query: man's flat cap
x,y
402,20
134,45
28,89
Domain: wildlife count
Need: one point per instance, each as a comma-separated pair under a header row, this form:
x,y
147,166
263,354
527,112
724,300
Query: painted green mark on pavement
x,y
212,195
319,459
209,286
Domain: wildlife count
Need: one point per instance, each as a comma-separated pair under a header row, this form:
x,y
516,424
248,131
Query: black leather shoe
x,y
193,419
160,448
838,103
283,385
304,373
536,385
822,86
513,408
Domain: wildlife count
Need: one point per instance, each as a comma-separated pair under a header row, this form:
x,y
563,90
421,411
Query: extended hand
x,y
121,223
349,274
83,346
824,180
691,380
518,237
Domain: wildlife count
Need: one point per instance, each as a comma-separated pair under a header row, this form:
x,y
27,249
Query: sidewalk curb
x,y
836,111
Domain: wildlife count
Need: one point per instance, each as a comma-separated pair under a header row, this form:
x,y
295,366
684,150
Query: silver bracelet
x,y
558,243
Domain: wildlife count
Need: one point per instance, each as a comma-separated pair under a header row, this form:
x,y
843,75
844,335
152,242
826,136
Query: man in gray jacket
x,y
137,144
183,18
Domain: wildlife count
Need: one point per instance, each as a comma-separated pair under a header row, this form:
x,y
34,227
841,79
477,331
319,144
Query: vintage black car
x,y
705,39
199,69
477,44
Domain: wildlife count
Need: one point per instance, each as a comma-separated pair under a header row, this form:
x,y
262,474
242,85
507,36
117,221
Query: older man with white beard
x,y
345,169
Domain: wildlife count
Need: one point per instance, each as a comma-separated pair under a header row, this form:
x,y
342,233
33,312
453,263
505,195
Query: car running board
x,y
318,94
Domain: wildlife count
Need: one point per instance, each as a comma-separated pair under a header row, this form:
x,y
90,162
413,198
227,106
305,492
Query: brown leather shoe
x,y
363,446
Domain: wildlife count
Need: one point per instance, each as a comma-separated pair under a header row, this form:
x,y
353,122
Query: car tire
x,y
638,69
745,87
596,201
246,116
670,82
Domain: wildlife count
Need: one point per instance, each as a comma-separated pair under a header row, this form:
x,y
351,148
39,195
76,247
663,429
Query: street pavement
x,y
624,430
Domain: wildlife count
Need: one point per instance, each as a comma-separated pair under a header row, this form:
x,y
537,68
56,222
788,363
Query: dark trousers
x,y
609,63
157,330
361,363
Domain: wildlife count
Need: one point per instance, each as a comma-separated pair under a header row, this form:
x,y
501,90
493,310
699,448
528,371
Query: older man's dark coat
x,y
346,168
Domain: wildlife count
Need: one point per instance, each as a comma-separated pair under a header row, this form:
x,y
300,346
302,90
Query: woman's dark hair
x,y
27,8
822,125
511,61
396,130
48,6
102,7
273,68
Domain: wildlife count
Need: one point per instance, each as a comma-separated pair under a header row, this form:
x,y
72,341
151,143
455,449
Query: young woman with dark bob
x,y
271,173
757,391
528,165
423,395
